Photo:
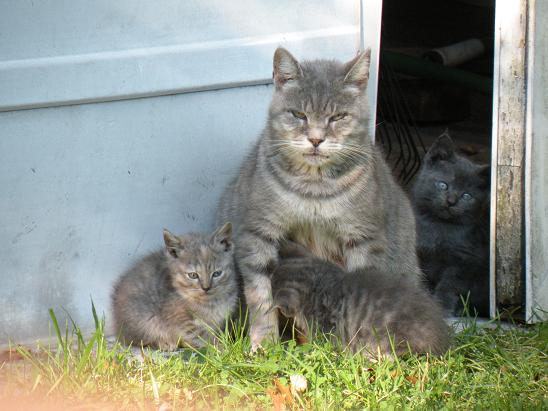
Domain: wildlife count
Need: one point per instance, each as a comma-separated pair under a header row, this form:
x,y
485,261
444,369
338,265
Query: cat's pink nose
x,y
451,199
316,141
316,136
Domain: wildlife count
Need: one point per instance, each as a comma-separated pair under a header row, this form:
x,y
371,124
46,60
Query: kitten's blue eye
x,y
337,117
192,275
466,196
298,114
217,274
442,185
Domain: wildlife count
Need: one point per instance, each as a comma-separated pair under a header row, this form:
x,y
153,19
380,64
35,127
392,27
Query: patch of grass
x,y
487,368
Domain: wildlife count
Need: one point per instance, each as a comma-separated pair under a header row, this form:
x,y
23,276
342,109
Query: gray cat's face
x,y
201,267
449,186
318,110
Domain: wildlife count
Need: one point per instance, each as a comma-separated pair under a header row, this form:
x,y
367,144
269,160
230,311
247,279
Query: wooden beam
x,y
507,191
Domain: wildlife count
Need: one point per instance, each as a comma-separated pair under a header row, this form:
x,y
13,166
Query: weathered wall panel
x,y
536,182
507,209
87,188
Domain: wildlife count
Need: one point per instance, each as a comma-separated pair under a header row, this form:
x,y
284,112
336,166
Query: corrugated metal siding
x,y
87,188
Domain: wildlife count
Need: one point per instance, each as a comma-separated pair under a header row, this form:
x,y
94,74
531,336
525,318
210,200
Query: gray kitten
x,y
316,177
451,198
178,296
368,310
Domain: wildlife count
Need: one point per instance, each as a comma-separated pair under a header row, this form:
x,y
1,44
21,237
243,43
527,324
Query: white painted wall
x,y
86,189
175,93
63,52
536,174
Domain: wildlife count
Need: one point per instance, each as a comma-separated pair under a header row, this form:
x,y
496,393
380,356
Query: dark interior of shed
x,y
425,103
423,92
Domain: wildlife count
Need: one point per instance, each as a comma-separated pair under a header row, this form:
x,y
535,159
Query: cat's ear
x,y
222,237
286,67
357,70
443,149
173,243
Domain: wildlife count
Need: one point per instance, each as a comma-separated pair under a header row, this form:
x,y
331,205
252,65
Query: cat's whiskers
x,y
280,148
304,177
355,156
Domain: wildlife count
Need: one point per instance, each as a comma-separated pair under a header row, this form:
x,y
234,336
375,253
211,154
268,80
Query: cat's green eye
x,y
442,185
192,275
337,117
217,274
298,114
466,196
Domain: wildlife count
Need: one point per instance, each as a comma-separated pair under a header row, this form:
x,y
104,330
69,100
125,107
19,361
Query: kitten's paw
x,y
165,346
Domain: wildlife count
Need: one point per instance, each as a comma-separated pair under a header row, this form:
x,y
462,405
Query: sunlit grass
x,y
487,368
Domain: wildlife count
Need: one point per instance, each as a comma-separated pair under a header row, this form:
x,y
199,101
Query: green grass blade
x,y
62,342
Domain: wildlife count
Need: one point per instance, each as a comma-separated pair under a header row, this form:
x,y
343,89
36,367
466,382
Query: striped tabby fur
x,y
315,177
368,310
157,303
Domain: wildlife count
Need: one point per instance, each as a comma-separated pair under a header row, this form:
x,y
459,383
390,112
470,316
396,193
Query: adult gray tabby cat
x,y
367,310
179,296
316,177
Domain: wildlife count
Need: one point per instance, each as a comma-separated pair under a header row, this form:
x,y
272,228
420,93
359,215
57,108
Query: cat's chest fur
x,y
320,237
321,224
440,236
302,209
214,310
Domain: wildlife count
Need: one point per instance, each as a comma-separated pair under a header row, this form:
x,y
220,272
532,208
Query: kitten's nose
x,y
451,199
206,289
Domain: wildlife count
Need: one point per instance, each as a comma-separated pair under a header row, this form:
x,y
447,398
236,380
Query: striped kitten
x,y
179,295
362,308
316,177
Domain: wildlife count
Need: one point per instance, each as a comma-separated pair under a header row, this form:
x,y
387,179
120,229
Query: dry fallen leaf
x,y
281,395
412,379
277,399
10,354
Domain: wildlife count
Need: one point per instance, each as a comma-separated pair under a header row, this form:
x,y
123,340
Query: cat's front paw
x,y
258,334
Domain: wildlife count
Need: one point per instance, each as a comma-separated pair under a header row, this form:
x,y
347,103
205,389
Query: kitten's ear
x,y
443,149
287,301
286,67
223,237
357,70
173,243
286,311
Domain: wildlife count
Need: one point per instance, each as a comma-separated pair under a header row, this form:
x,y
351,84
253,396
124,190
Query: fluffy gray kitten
x,y
179,296
451,198
368,309
316,177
